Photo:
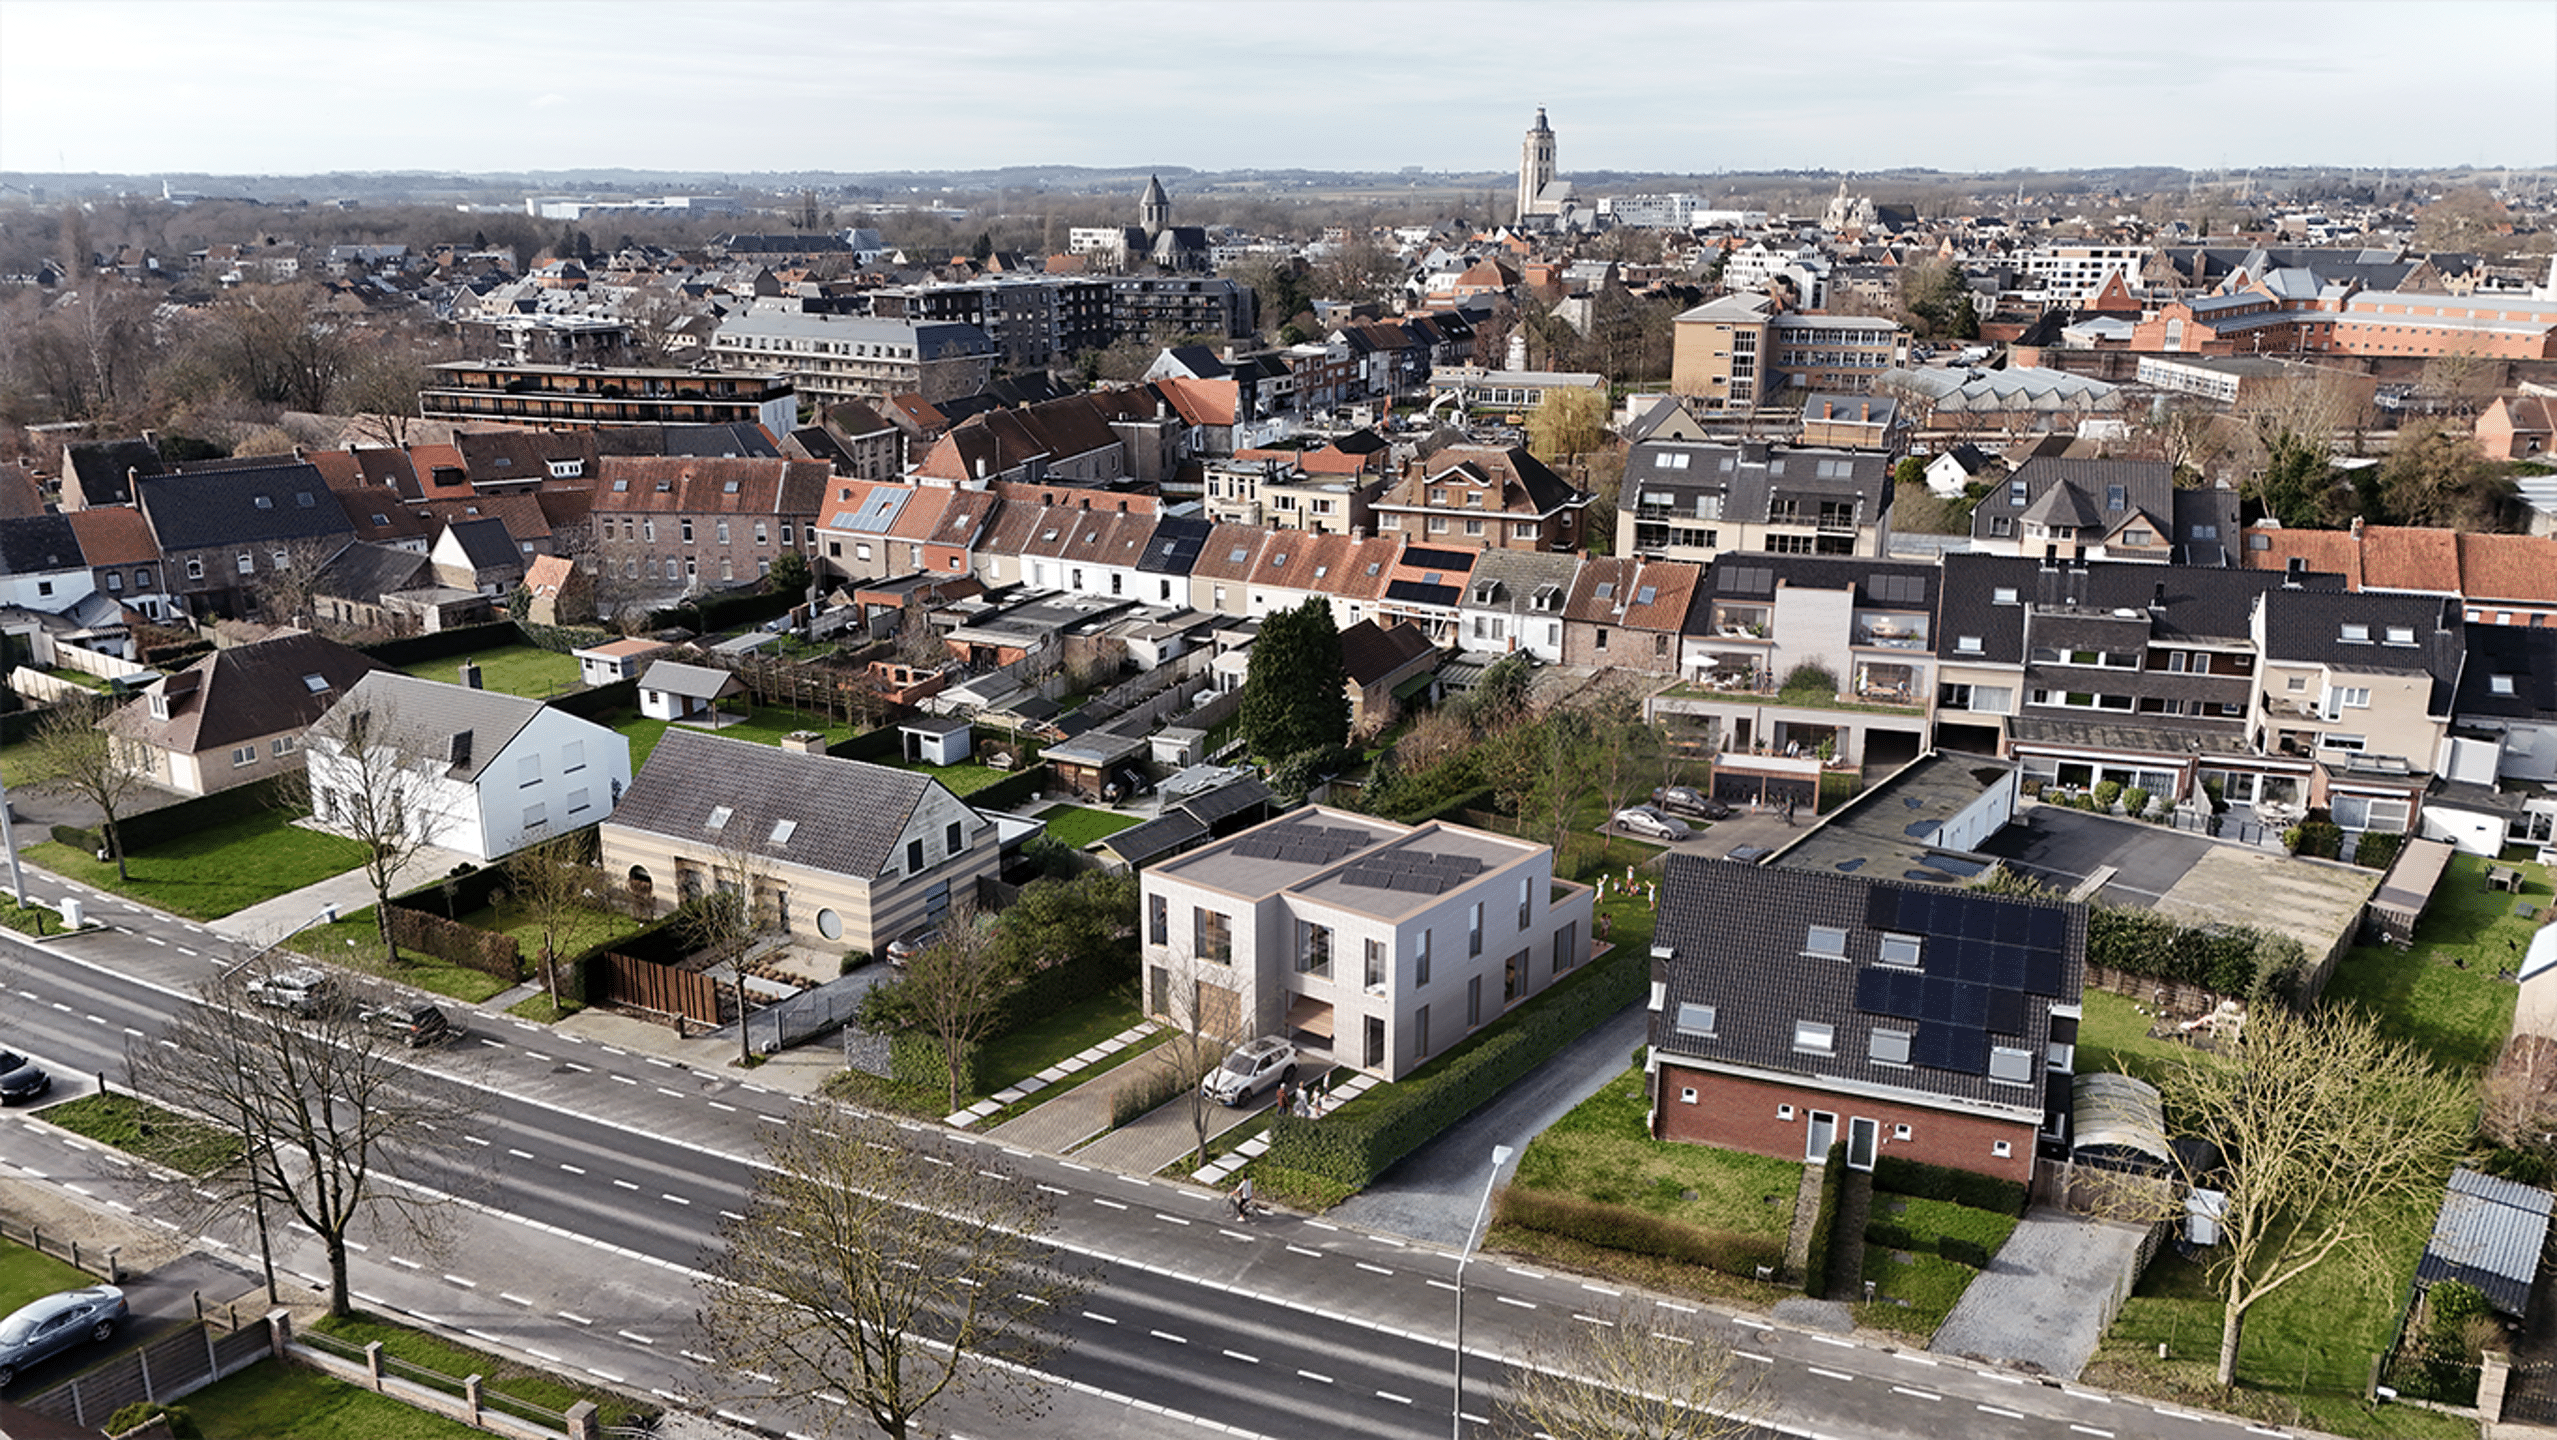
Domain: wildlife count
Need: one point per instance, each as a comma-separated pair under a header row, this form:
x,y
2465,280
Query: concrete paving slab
x,y
2043,1302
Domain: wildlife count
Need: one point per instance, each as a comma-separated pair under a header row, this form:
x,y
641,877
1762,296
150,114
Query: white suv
x,y
302,990
1251,1069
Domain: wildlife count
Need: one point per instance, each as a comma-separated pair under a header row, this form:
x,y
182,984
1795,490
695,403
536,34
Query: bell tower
x,y
1535,166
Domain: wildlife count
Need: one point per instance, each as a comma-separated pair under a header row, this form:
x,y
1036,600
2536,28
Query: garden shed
x,y
933,741
671,690
2489,1235
2406,890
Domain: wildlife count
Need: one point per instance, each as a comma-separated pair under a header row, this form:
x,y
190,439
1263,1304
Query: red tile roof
x,y
114,535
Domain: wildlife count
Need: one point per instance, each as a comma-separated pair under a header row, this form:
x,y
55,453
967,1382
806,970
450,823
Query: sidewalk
x,y
270,920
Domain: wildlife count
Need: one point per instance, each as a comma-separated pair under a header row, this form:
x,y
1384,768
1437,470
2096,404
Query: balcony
x,y
1316,963
1892,633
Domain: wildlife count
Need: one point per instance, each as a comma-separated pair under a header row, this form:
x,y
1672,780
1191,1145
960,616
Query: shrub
x,y
2522,1167
2376,850
1824,1224
1963,1252
914,1058
1353,1145
457,944
1159,1085
1942,1182
1810,678
1889,1234
1638,1232
2086,802
2135,802
180,1421
2317,838
2106,792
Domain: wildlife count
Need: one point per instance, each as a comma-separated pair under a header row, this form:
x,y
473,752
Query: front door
x,y
1862,1136
1824,1133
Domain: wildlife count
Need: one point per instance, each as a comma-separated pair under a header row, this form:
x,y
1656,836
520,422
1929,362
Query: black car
x,y
1684,801
21,1078
412,1025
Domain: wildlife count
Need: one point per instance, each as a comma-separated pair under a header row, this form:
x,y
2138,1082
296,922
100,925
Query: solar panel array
x,y
1979,959
1415,872
1304,843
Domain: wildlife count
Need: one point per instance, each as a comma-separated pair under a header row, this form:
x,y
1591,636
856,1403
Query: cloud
x,y
545,102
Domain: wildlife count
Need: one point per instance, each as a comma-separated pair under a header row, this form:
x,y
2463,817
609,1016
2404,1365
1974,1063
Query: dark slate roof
x,y
246,692
1751,475
2524,655
1170,834
2488,1235
367,572
104,467
1739,937
2079,493
743,438
429,715
1370,652
2424,633
2206,527
286,501
2197,603
1229,799
850,813
34,544
486,544
1174,546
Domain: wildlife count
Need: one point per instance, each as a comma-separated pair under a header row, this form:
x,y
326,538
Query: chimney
x,y
151,438
470,675
2357,527
806,742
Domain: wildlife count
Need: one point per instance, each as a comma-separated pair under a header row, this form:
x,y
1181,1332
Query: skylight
x,y
1236,558
718,818
1825,940
315,683
782,831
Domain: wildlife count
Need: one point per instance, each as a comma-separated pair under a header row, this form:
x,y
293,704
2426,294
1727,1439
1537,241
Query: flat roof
x,y
1350,862
1887,833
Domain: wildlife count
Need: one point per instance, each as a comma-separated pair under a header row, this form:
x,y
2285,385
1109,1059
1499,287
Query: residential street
x,y
1290,1327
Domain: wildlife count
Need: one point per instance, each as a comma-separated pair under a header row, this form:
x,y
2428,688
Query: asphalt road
x,y
600,1175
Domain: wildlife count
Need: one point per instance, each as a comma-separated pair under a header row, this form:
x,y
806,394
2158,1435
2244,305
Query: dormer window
x,y
159,706
2401,635
1967,645
1825,940
2003,595
718,818
1696,1020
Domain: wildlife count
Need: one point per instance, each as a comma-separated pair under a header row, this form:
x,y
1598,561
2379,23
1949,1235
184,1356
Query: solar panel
x,y
2007,965
1980,919
1882,991
2006,1011
2015,925
1958,1048
2043,970
1952,1002
2049,928
1968,960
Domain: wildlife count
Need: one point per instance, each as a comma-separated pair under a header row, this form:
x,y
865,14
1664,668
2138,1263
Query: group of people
x,y
1307,1101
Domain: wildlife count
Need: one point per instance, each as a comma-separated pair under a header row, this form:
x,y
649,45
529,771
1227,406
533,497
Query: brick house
x,y
1627,613
222,533
1483,497
1791,1010
691,523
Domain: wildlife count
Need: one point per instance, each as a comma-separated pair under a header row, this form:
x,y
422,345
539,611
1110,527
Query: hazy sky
x,y
278,87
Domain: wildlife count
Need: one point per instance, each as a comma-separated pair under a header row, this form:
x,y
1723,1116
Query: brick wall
x,y
1744,1114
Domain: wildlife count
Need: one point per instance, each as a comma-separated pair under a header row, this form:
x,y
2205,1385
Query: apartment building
x,y
859,357
1693,500
586,396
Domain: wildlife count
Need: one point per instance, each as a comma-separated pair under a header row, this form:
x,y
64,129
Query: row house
x,y
2501,579
875,530
699,523
1514,603
124,559
224,534
1425,586
1627,612
2362,686
1065,547
1349,573
1278,490
2498,783
1693,500
1483,497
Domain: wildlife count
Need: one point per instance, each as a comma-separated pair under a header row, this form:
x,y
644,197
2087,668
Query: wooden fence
x,y
642,985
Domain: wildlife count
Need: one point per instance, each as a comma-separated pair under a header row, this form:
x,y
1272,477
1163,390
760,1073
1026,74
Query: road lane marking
x,y
519,1154
715,1105
1168,1335
1301,1250
513,1299
1601,1289
625,1185
1310,1375
1920,1394
1113,1204
1442,1284
1374,1269
574,1318
1239,1355
2001,1414
1685,1309
571,1169
1594,1320
1159,1215
1672,1339
622,1080
1754,1355
1512,1300
2108,1435
1834,1340
1104,1319
465,1284
662,1090
1054,1189
581,1069
1390,1395
1917,1359
475,1140
406,1263
628,1335
677,1199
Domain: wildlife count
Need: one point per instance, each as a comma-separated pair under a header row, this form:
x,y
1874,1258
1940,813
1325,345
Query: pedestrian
x,y
1243,1201
1287,1097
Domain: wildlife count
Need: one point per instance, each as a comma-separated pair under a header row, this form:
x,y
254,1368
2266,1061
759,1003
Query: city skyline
x,y
286,88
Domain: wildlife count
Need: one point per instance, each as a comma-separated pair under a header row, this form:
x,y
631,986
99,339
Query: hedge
x,y
1012,789
2224,959
710,614
561,639
1903,1176
2377,849
411,649
471,890
1639,1232
455,943
598,701
882,744
186,817
915,1058
1824,1224
1356,1143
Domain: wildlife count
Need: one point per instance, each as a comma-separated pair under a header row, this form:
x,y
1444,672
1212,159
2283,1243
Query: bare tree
x,y
2327,1135
553,881
1638,1374
334,1125
71,753
380,778
956,987
728,922
1196,1001
284,589
883,1270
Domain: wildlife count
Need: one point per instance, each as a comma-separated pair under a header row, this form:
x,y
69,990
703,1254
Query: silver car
x,y
1644,820
1251,1069
56,1323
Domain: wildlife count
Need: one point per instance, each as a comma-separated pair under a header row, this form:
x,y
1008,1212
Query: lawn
x,y
2114,1035
764,727
505,1378
2444,996
31,1275
138,1127
1006,1060
526,670
2305,1354
1076,826
277,1400
1913,1295
355,941
965,778
1603,1151
217,870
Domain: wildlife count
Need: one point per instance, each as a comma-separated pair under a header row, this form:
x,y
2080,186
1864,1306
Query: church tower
x,y
1154,211
1535,167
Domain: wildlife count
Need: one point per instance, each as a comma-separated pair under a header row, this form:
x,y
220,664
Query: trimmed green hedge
x,y
561,639
1005,793
711,614
1824,1224
410,649
881,746
1356,1143
186,817
914,1058
2224,959
598,701
486,951
1622,1227
1940,1182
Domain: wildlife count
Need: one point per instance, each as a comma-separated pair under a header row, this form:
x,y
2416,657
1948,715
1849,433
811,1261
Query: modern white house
x,y
1372,944
503,771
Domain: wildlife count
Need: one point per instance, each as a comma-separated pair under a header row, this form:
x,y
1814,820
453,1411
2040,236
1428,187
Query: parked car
x,y
1749,854
1644,820
56,1323
1251,1069
902,950
21,1078
1687,801
412,1025
302,990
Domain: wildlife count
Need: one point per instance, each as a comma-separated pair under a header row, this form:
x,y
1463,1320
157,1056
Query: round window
x,y
830,924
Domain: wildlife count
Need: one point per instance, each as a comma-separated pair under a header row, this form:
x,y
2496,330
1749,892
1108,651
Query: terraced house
x,y
688,524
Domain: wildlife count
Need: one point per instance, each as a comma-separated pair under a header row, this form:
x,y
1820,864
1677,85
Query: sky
x,y
1685,86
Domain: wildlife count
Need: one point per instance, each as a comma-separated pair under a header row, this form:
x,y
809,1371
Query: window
x,y
1373,975
248,563
536,815
2355,634
1825,940
1900,949
1967,645
688,532
1696,1020
953,838
914,856
572,757
528,771
1473,1001
194,570
1784,1112
1812,1037
45,587
2400,635
244,755
1420,1032
1526,901
1212,936
2010,1065
2001,1149
648,531
282,746
579,801
1514,979
1687,1094
2353,697
761,535
1566,946
2003,595
1888,1047
1420,961
1474,930
2499,684
1602,637
142,578
723,532
1158,920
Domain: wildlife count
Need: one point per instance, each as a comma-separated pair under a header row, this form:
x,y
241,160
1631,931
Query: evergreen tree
x,y
1295,694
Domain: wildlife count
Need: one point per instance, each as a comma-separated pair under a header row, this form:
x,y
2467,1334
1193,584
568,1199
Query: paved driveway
x,y
2044,1302
1433,1193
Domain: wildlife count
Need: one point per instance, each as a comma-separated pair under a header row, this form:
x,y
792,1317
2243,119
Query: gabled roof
x,y
287,501
2096,495
115,535
485,544
1511,580
39,544
104,467
366,572
1371,653
691,682
427,716
523,457
690,485
2511,673
2508,567
1175,545
246,692
2369,633
1514,482
1230,552
846,815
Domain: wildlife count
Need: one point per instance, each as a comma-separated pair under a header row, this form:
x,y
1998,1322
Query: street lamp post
x,y
1500,1157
